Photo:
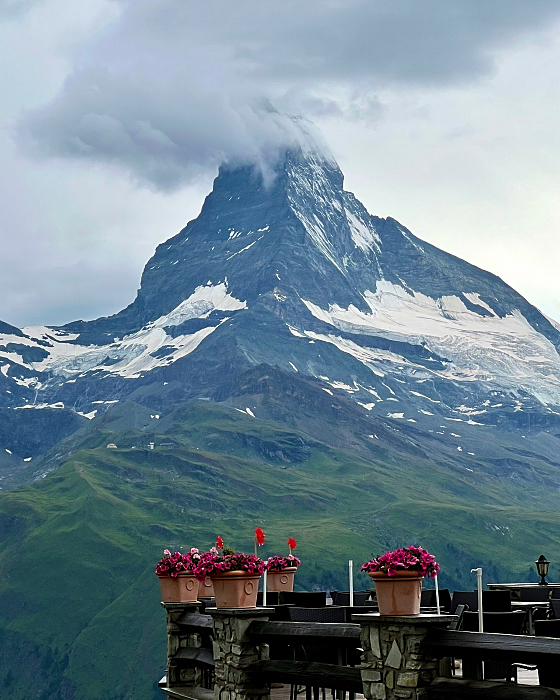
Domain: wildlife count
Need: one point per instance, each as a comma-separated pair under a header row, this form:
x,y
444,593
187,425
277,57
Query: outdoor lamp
x,y
542,569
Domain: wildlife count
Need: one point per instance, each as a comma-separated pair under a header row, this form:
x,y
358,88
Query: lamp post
x,y
542,564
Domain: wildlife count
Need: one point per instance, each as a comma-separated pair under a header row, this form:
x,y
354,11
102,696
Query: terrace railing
x,y
238,654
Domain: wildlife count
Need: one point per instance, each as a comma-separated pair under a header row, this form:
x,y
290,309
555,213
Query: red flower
x,y
292,544
219,542
259,536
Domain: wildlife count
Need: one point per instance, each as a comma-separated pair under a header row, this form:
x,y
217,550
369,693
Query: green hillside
x,y
79,603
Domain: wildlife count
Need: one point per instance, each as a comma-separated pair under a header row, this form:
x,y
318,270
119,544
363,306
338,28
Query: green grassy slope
x,y
79,602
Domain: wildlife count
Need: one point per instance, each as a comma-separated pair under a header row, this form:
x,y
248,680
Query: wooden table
x,y
530,607
514,588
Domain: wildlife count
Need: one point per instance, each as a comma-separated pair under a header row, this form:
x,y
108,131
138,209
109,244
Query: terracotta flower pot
x,y
235,589
183,589
399,594
205,588
281,580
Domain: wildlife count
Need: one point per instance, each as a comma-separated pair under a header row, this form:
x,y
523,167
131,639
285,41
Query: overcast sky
x,y
114,116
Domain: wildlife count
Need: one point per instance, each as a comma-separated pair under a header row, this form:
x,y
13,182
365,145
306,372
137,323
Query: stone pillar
x,y
394,664
234,652
179,675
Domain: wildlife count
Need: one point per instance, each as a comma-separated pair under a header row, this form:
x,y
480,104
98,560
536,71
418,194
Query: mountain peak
x,y
292,271
310,141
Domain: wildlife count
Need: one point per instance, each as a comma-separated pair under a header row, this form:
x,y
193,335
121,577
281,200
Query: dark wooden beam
x,y
317,632
496,647
195,621
309,673
196,656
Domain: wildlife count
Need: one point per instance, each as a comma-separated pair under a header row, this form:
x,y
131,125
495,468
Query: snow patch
x,y
244,249
38,406
200,304
89,415
342,385
137,352
364,237
474,298
27,381
507,351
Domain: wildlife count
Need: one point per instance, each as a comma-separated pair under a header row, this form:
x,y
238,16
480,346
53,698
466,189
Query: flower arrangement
x,y
404,559
228,560
279,563
172,564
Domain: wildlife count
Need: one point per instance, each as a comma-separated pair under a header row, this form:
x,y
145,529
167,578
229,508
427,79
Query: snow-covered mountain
x,y
288,269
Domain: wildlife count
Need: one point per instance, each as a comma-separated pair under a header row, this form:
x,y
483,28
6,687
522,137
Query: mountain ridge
x,y
290,270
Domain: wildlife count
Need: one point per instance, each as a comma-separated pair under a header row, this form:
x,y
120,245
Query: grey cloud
x,y
405,41
164,135
177,87
10,9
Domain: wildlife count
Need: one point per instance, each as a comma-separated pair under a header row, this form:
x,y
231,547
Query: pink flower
x,y
173,563
405,559
279,563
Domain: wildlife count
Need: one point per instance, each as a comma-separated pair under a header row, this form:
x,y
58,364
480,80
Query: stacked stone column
x,y
179,675
394,663
234,652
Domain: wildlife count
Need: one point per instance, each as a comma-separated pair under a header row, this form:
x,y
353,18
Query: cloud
x,y
163,132
10,9
176,87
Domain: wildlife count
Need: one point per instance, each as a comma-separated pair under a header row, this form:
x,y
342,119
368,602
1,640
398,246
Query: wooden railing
x,y
509,649
334,638
238,654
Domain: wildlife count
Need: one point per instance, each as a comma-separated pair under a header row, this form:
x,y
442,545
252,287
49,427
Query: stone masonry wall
x,y
394,665
234,652
178,675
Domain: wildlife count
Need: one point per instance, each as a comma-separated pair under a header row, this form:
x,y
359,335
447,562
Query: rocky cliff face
x,y
291,271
